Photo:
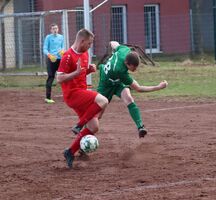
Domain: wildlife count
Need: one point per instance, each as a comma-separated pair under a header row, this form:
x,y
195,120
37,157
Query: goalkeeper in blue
x,y
53,48
116,80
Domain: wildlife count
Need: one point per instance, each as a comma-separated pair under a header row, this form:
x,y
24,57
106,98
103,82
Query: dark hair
x,y
53,24
132,58
84,33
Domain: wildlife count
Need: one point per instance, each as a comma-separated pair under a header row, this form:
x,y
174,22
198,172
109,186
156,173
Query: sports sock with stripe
x,y
135,114
76,143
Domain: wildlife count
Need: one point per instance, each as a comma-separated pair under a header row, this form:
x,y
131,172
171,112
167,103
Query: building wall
x,y
174,24
174,21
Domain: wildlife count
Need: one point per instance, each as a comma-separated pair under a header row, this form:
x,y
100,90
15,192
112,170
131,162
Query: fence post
x,y
214,22
150,33
65,28
87,26
191,31
41,39
20,44
2,42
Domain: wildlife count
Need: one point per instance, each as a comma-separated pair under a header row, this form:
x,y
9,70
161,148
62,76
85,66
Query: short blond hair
x,y
84,33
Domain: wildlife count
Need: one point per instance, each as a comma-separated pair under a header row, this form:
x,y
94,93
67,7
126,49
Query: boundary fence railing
x,y
22,34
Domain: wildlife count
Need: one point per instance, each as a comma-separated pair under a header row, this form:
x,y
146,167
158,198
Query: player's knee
x,y
105,101
101,101
96,129
93,129
128,100
126,96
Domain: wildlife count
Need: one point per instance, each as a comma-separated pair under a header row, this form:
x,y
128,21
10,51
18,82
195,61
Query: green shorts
x,y
109,90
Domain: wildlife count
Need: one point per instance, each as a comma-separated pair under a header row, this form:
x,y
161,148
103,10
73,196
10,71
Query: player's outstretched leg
x,y
136,116
69,157
90,112
70,152
76,129
88,115
142,131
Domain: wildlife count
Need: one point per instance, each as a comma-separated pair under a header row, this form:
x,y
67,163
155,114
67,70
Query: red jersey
x,y
68,64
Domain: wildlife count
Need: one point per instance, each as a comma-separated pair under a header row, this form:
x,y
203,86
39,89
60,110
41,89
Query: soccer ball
x,y
89,143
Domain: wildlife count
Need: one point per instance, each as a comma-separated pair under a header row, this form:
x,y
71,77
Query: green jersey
x,y
114,76
115,70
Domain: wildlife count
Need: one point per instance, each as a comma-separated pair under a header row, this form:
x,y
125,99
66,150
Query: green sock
x,y
135,114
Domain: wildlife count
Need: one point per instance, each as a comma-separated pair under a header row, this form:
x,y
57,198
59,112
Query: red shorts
x,y
80,100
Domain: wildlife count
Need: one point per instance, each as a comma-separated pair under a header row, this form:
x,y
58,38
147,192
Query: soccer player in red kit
x,y
87,104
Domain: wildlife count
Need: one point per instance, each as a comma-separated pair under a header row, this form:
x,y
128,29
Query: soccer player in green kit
x,y
115,80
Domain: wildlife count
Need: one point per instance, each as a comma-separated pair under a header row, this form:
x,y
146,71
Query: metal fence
x,y
22,35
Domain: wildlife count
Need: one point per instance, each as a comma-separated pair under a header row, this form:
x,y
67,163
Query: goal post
x,y
87,26
87,12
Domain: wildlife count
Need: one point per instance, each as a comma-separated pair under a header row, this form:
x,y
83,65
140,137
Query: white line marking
x,y
154,186
180,107
109,113
172,108
173,184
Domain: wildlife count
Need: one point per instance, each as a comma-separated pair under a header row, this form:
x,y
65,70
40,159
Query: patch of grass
x,y
190,81
24,69
207,57
22,81
186,80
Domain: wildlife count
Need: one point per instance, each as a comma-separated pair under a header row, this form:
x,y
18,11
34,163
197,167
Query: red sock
x,y
89,114
76,143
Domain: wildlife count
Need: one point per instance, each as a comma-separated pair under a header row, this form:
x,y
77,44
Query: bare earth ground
x,y
175,161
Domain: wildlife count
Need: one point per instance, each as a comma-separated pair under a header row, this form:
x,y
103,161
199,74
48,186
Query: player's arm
x,y
63,77
141,88
46,46
46,49
62,51
62,43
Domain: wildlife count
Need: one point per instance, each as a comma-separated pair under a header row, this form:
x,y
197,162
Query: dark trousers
x,y
52,67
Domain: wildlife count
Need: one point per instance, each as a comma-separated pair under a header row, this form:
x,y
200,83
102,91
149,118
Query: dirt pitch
x,y
175,161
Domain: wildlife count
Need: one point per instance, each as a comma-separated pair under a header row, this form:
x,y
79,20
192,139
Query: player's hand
x,y
92,68
163,84
61,52
52,57
79,68
114,44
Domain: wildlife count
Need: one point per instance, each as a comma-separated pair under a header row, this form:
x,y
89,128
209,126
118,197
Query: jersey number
x,y
107,67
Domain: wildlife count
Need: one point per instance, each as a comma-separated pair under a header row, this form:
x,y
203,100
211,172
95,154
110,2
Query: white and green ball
x,y
89,143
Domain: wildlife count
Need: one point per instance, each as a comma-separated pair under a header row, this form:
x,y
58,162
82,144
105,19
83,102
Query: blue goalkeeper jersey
x,y
53,44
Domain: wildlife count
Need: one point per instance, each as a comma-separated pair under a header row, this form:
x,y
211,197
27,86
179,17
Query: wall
x,y
174,21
